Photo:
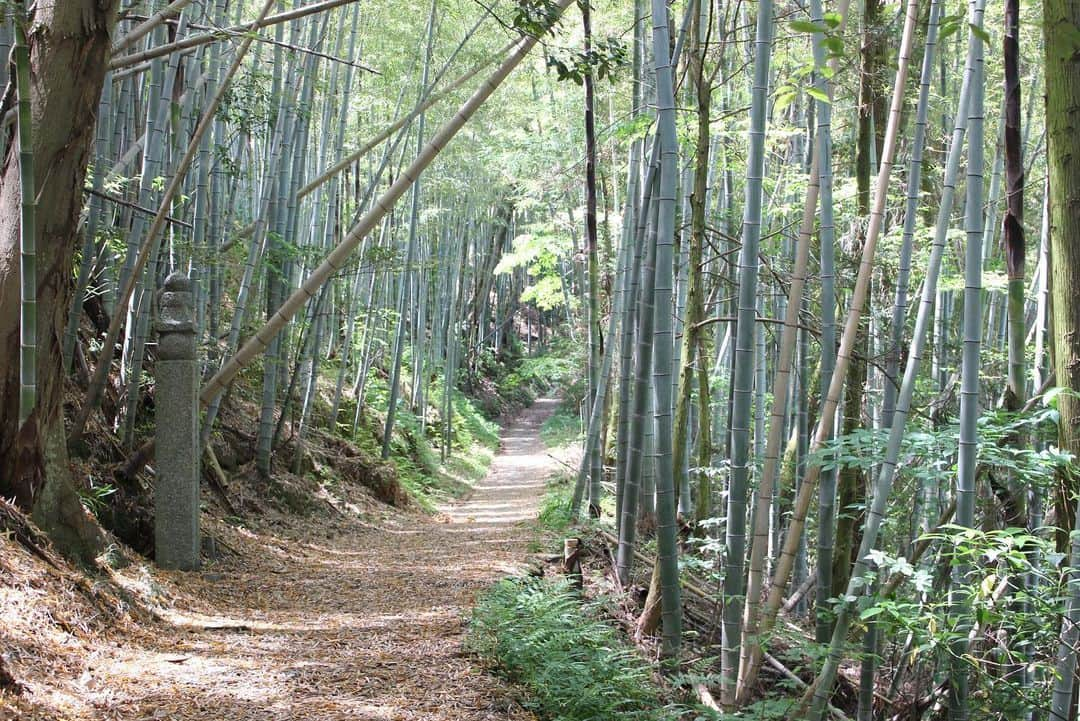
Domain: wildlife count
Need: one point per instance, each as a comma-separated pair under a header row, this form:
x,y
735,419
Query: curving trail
x,y
343,621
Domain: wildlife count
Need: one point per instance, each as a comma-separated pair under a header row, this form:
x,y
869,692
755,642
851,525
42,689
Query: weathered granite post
x,y
176,400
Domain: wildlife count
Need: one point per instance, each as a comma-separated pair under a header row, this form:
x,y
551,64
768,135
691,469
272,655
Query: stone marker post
x,y
176,400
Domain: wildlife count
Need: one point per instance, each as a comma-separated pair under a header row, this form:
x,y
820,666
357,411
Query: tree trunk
x,y
33,459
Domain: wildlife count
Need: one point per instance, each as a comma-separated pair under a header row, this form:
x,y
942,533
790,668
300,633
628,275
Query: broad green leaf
x,y
805,26
871,612
979,32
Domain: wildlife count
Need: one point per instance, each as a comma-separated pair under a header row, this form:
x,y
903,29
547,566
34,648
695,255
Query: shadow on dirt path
x,y
341,621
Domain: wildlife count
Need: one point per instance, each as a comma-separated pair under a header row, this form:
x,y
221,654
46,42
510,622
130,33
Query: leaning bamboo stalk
x,y
911,207
397,125
592,436
759,546
875,515
337,258
244,29
140,30
799,683
637,448
847,341
101,371
778,413
616,321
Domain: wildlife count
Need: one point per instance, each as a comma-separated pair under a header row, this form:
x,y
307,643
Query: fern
x,y
575,667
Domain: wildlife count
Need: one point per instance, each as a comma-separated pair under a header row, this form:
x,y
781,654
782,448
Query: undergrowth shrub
x,y
562,427
539,374
538,634
554,515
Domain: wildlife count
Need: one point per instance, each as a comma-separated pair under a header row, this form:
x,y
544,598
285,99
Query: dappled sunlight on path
x,y
514,484
348,621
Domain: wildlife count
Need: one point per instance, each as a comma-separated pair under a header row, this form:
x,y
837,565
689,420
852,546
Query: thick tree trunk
x,y
69,45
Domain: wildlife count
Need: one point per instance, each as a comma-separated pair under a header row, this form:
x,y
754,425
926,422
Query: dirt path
x,y
343,621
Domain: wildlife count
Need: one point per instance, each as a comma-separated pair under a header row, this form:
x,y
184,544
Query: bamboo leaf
x,y
806,26
870,612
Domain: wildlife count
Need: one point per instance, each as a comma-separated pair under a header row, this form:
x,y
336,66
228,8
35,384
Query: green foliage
x,y
1013,585
546,292
541,373
95,496
950,24
575,667
562,427
602,59
536,17
927,455
471,427
555,513
539,252
1013,580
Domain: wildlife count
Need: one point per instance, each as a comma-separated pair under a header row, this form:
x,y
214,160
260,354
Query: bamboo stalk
x,y
195,41
27,230
140,30
844,354
398,124
821,686
337,258
101,371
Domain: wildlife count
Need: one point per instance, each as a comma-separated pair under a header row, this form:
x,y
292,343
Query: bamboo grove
x,y
816,263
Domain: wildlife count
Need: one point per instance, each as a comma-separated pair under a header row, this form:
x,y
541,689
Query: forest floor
x,y
326,618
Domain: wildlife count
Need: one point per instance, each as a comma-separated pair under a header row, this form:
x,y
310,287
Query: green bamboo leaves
x,y
339,256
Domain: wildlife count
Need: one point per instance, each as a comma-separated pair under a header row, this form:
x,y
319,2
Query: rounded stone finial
x,y
176,329
177,282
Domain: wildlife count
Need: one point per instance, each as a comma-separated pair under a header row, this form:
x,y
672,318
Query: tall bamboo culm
x,y
27,228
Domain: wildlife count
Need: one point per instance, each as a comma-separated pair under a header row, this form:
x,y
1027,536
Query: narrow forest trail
x,y
347,621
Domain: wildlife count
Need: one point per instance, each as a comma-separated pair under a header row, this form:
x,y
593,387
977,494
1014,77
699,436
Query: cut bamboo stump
x,y
572,561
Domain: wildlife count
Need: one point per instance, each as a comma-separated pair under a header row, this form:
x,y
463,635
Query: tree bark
x,y
69,45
